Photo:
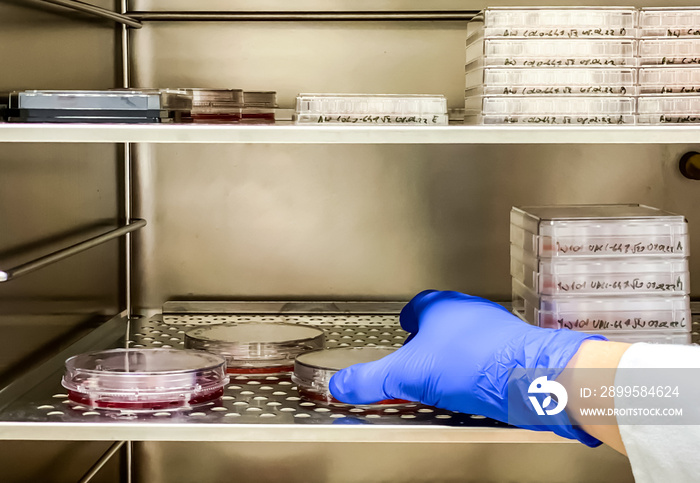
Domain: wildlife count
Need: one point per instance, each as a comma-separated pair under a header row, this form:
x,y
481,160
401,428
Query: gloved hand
x,y
460,355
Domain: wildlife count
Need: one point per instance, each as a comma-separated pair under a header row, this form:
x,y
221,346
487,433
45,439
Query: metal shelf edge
x,y
291,134
269,433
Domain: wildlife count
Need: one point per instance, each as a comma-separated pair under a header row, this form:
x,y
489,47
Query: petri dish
x,y
265,348
313,371
217,106
145,380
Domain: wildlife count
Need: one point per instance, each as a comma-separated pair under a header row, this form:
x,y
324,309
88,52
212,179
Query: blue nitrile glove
x,y
460,355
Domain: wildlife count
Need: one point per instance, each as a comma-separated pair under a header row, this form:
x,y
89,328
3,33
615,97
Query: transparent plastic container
x,y
548,53
630,314
556,22
212,106
132,100
598,231
550,110
669,110
600,276
672,81
259,107
579,81
313,371
145,380
669,51
371,109
674,22
257,348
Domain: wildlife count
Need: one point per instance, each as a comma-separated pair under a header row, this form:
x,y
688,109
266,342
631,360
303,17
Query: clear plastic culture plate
x,y
313,371
550,110
598,231
555,22
600,276
669,110
133,100
673,81
371,109
630,314
651,338
144,379
579,81
549,53
671,22
257,347
669,51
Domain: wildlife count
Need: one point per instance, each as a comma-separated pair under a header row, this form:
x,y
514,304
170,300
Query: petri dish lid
x,y
251,342
134,372
316,368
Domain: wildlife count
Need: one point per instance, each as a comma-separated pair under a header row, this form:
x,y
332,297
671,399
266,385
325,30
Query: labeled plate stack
x,y
616,270
669,55
551,65
371,109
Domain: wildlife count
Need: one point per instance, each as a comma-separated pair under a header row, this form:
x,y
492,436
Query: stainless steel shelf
x,y
286,133
262,410
251,410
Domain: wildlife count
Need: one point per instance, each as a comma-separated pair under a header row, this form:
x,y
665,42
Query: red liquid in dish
x,y
81,398
214,118
260,370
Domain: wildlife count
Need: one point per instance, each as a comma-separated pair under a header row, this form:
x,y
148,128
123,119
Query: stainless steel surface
x,y
57,256
96,11
101,462
368,222
309,462
175,307
54,461
285,133
293,16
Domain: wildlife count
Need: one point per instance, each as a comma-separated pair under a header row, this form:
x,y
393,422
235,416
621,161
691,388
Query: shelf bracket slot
x,y
96,11
36,264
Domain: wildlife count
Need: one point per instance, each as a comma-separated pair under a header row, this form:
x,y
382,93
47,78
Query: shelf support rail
x,y
19,270
97,11
101,462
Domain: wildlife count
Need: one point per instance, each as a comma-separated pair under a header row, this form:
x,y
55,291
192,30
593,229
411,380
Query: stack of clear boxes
x,y
669,74
616,270
551,65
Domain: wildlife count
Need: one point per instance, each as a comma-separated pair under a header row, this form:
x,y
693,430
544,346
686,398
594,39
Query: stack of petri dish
x,y
215,106
145,380
617,270
257,348
551,65
313,372
259,107
125,106
669,74
371,109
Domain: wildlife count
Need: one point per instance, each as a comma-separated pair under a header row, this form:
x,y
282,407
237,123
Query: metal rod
x,y
56,256
101,462
301,16
97,11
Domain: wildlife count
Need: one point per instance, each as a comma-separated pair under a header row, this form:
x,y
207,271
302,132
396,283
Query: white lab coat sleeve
x,y
660,453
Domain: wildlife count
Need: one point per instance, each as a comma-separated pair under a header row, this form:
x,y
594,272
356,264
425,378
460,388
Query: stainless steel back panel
x,y
360,222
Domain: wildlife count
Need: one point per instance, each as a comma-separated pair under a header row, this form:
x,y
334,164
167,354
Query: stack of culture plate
x,y
371,109
669,55
551,65
126,106
616,270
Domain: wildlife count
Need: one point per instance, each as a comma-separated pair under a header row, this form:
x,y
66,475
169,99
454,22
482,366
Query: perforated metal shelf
x,y
252,409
